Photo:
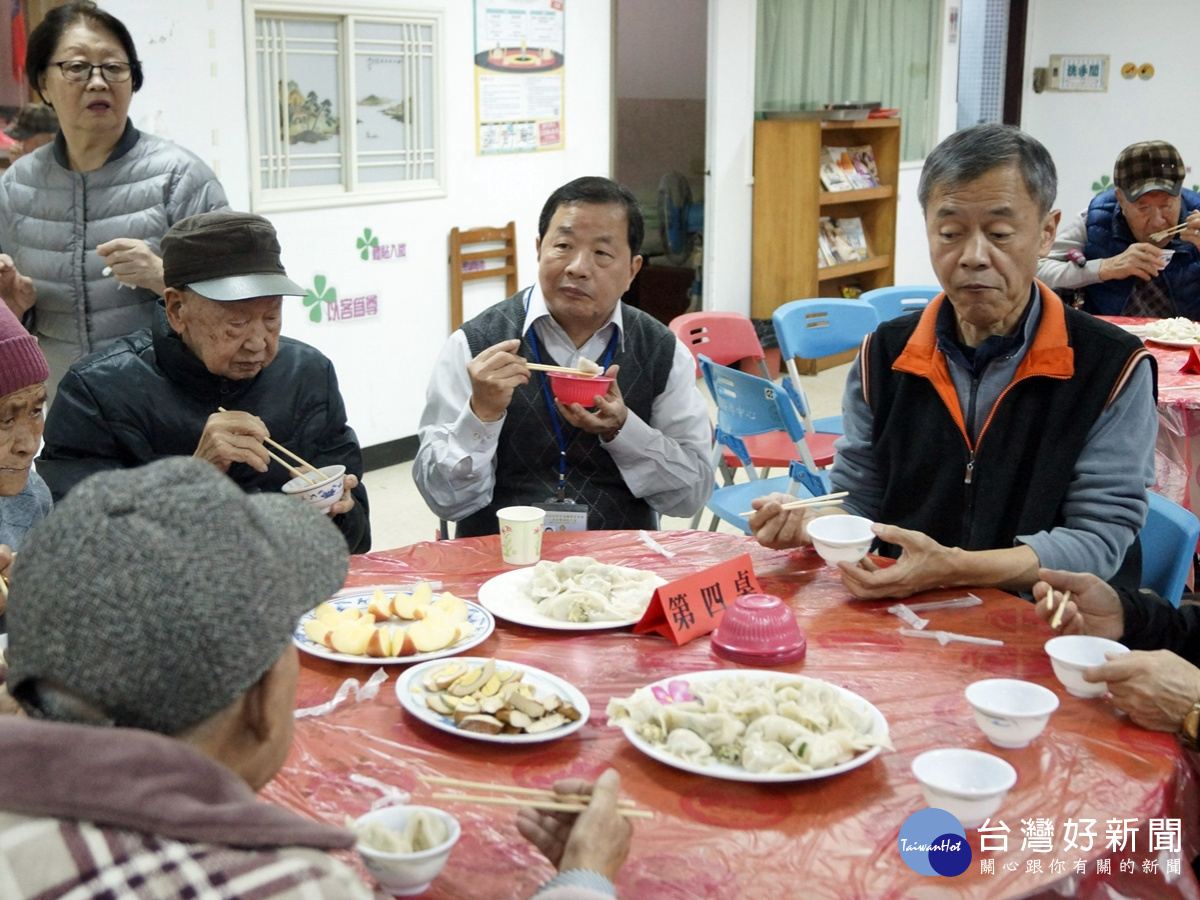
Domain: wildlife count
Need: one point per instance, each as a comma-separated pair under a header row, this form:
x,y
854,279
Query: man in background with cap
x,y
135,772
1108,253
214,344
36,125
24,497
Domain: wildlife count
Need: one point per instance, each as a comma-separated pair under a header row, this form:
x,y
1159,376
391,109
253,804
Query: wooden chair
x,y
508,253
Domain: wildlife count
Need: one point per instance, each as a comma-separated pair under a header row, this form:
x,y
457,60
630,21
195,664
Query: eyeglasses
x,y
78,70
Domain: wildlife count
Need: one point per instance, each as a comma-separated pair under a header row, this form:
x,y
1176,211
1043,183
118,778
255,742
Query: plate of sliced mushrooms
x,y
492,700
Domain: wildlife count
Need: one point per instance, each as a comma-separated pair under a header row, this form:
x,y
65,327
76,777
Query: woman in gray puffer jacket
x,y
96,201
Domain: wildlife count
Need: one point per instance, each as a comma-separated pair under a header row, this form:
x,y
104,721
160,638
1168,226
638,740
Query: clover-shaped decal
x,y
366,242
317,295
1102,185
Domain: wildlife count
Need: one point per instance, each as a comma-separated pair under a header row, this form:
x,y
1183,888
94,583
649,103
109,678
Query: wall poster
x,y
519,73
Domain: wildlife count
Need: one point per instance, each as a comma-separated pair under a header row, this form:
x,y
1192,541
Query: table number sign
x,y
1192,366
693,606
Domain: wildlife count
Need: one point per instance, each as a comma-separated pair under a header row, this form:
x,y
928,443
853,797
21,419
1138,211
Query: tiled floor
x,y
399,515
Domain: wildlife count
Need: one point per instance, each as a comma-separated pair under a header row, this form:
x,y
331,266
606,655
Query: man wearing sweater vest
x,y
492,435
998,430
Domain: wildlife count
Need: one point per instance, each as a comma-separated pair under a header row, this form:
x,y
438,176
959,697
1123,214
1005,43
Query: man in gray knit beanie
x,y
24,497
150,643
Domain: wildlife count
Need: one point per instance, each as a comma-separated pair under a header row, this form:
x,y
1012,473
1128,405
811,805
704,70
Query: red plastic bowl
x,y
578,388
759,630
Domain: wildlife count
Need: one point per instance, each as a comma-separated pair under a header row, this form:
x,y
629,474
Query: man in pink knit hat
x,y
24,497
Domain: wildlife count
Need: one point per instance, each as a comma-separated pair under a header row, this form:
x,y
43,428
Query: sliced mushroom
x,y
570,712
481,723
546,723
527,705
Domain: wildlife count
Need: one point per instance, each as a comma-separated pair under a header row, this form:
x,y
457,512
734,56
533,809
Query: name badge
x,y
564,515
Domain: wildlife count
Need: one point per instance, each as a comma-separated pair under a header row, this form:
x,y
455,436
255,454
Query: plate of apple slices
x,y
382,626
492,700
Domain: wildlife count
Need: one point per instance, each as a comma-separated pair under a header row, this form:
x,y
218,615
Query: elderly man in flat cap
x,y
1116,254
215,345
134,773
24,497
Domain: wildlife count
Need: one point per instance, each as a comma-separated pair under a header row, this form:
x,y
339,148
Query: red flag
x,y
18,42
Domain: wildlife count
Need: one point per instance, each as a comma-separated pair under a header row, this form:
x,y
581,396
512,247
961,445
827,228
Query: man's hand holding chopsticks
x,y
234,436
596,839
779,528
1092,608
495,373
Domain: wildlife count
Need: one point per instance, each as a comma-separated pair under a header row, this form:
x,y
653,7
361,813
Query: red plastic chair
x,y
727,338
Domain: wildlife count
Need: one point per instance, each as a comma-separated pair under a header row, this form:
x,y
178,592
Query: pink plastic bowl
x,y
578,388
758,629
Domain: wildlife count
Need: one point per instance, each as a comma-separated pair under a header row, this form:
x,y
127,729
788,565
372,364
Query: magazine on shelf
x,y
845,166
832,176
825,255
852,228
863,159
840,247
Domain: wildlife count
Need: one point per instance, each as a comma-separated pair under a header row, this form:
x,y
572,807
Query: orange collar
x,y
1049,355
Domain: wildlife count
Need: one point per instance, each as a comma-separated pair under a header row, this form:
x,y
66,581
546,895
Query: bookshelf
x,y
789,202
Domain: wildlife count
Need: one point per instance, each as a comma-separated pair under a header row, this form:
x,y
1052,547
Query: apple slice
x,y
433,632
352,638
325,612
409,606
316,631
453,606
402,644
380,606
379,644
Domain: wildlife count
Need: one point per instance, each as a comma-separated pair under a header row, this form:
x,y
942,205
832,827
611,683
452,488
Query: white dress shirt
x,y
666,461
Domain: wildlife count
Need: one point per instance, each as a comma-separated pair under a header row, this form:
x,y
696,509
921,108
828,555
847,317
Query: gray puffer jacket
x,y
52,220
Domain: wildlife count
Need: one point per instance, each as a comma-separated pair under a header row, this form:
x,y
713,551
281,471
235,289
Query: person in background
x,y
135,769
24,497
35,126
97,199
1109,252
215,345
491,435
999,430
1157,685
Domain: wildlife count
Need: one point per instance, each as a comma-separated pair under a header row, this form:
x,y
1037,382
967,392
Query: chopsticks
x,y
1057,620
4,587
834,499
561,370
287,465
1159,235
534,797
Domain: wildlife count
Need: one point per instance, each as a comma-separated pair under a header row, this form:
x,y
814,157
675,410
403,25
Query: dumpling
x,y
687,745
717,729
769,757
780,730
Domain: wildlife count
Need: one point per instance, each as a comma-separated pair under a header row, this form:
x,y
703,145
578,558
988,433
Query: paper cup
x,y
521,534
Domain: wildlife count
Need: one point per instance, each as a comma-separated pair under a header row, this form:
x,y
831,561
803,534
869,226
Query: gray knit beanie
x,y
161,594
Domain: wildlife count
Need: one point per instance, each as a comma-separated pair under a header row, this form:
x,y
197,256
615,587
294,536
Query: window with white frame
x,y
344,108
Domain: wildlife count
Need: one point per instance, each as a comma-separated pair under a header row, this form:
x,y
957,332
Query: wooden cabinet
x,y
789,201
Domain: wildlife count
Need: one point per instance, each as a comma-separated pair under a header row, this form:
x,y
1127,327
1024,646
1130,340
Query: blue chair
x,y
814,328
1168,547
890,302
748,405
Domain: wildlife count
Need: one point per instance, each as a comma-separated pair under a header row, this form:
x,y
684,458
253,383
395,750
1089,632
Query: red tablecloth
x,y
722,840
1177,449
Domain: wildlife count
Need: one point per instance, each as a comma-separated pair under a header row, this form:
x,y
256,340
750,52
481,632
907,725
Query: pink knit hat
x,y
21,360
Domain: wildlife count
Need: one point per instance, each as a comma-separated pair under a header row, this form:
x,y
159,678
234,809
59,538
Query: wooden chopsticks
x,y
1062,604
1159,235
834,499
533,797
561,370
287,465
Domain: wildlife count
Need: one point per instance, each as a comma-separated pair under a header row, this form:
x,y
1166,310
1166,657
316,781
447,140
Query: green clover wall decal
x,y
1102,185
317,295
366,242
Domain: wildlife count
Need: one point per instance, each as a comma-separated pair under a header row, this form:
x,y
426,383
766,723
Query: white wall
x,y
382,362
1085,132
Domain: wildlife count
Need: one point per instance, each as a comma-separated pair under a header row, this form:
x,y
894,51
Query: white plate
x,y
1163,342
1139,330
481,621
737,773
507,597
411,694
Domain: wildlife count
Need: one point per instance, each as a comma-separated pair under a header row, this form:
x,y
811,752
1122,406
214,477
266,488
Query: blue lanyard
x,y
558,432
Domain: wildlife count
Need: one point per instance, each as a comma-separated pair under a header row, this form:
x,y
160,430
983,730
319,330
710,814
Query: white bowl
x,y
841,538
1070,654
1011,712
405,874
326,492
968,784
